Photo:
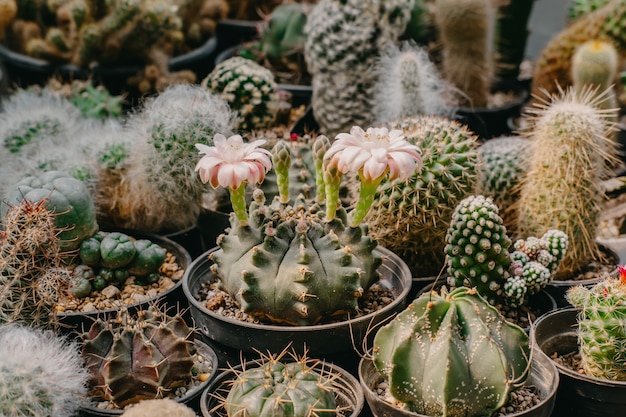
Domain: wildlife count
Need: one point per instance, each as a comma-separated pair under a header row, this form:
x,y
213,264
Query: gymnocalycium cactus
x,y
290,261
601,327
452,354
274,387
478,255
131,358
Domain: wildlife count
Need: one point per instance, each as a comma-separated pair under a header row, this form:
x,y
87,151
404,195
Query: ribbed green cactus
x,y
562,188
274,387
41,374
344,40
411,218
248,88
595,65
466,30
141,357
452,354
602,327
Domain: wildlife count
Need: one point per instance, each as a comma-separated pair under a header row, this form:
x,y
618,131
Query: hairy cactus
x,y
411,218
344,40
562,187
452,354
162,407
136,358
466,31
409,85
248,88
158,190
281,389
32,271
601,327
553,68
40,374
594,65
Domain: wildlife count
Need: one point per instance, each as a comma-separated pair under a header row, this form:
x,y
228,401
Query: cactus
x,y
158,190
452,354
409,85
580,8
162,407
412,218
466,31
41,374
511,36
282,389
554,65
248,88
132,358
344,40
601,327
562,187
93,101
8,11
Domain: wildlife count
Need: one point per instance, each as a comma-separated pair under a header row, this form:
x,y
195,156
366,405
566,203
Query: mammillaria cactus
x,y
411,218
42,374
601,327
131,358
452,354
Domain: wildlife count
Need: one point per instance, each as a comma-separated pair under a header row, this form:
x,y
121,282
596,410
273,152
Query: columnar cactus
x,y
467,37
452,354
135,358
511,36
41,374
601,326
248,88
282,389
562,188
411,218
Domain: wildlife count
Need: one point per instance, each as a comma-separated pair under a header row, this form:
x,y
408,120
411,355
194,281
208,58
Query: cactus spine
x,y
601,327
452,354
466,31
562,187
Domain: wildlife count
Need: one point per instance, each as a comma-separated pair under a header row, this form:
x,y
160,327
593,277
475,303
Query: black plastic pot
x,y
320,340
578,395
232,32
348,392
202,236
543,375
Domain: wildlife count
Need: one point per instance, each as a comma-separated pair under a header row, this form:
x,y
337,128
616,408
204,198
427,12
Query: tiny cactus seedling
x,y
602,326
452,354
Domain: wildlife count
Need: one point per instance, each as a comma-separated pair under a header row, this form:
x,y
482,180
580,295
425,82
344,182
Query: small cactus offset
x,y
281,388
248,88
132,358
41,374
452,354
602,326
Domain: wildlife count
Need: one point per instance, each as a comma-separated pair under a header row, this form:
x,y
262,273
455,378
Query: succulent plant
x,y
41,374
162,407
411,218
248,88
601,327
93,101
465,28
132,358
570,155
579,8
452,354
281,388
511,36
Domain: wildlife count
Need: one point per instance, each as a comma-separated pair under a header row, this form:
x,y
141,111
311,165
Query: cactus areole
x,y
452,354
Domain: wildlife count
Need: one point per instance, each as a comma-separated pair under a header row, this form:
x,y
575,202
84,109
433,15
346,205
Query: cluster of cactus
x,y
570,153
344,40
32,271
409,85
111,258
477,255
276,387
144,356
553,67
452,354
155,189
601,326
411,218
41,374
248,88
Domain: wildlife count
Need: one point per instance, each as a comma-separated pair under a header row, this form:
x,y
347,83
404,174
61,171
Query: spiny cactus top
x,y
452,355
602,326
